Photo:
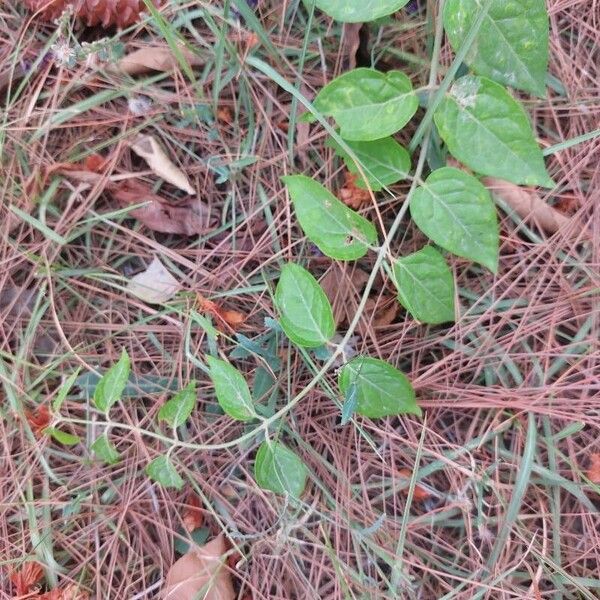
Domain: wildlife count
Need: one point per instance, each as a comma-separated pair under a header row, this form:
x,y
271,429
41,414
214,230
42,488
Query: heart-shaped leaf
x,y
381,390
488,130
112,384
383,161
305,313
280,470
177,410
350,11
105,450
511,46
162,471
368,104
231,390
457,212
338,231
425,286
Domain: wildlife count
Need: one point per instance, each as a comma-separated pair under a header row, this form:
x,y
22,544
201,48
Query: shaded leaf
x,y
456,211
105,450
280,470
155,285
488,130
381,389
177,410
368,104
162,470
200,574
352,11
338,231
231,389
306,315
511,46
151,151
110,387
350,403
67,439
425,286
383,161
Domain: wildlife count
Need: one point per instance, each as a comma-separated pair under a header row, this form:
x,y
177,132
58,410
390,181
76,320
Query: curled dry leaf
x,y
351,42
192,515
233,318
420,493
155,285
153,58
593,473
72,592
190,217
26,578
151,151
200,574
38,419
351,195
528,204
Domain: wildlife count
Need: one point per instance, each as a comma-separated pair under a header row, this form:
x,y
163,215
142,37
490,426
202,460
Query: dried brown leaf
x,y
528,204
339,287
593,473
38,419
153,58
155,285
232,318
192,515
26,578
150,150
200,574
351,195
190,217
351,42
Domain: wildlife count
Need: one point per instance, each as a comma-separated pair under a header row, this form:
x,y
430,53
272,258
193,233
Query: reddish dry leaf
x,y
94,163
72,592
190,217
200,574
224,115
192,516
153,58
593,473
38,419
232,318
26,578
339,287
351,195
420,493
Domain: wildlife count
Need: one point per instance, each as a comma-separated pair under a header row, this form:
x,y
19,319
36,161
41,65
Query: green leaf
x,y
383,161
110,387
350,402
425,286
105,450
177,410
338,231
381,390
306,315
68,439
280,470
162,471
231,389
64,390
457,212
488,130
353,11
368,104
511,46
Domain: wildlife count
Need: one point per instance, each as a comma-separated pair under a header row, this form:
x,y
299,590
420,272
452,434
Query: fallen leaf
x,y
351,42
593,473
528,204
190,217
419,493
155,285
72,592
38,419
94,163
26,578
351,195
387,309
233,318
192,515
340,287
200,574
151,151
153,58
224,115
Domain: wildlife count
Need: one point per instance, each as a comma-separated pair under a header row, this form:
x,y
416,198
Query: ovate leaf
x,y
67,439
105,450
368,104
457,212
306,315
383,161
231,390
488,130
280,470
381,390
338,231
511,46
354,11
162,471
110,387
177,410
425,286
64,390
